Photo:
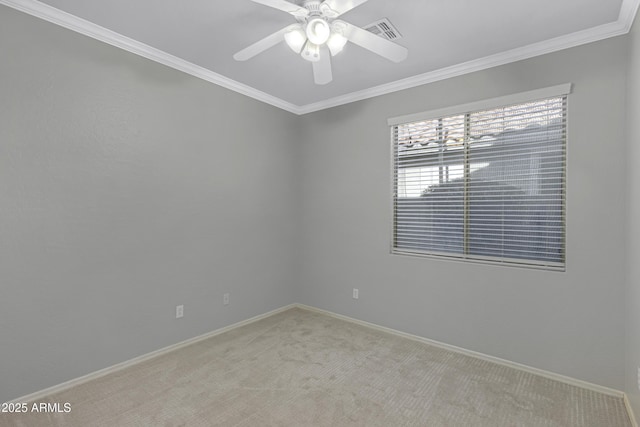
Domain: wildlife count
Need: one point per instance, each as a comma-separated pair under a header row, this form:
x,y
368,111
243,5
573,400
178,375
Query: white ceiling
x,y
444,37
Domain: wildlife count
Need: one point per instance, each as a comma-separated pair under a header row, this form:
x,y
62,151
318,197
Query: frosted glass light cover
x,y
318,31
295,38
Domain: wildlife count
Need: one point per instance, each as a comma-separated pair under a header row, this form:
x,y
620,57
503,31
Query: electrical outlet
x,y
639,378
225,299
179,311
356,293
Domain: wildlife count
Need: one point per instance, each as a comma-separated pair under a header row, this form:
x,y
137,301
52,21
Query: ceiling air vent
x,y
384,29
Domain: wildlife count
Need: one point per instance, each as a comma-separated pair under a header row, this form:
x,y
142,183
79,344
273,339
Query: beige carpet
x,y
300,368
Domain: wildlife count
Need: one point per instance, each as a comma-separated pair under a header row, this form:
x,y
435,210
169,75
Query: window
x,y
485,182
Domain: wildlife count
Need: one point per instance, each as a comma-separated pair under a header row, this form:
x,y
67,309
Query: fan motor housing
x,y
313,6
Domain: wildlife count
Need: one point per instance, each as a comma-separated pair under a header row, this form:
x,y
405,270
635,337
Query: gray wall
x,y
128,188
633,254
572,322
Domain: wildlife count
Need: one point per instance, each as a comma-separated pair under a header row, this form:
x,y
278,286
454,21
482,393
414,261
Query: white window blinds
x,y
486,185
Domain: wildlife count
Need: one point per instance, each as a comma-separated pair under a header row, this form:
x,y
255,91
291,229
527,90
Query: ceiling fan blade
x,y
322,69
261,45
341,6
285,6
376,44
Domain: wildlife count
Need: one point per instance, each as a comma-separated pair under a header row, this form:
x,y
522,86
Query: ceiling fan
x,y
318,35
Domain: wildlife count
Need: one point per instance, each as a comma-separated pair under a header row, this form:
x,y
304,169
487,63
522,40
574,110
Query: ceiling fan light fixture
x,y
336,43
311,52
318,31
318,35
296,38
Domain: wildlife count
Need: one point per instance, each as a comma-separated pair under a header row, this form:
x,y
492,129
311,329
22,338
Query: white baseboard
x,y
541,372
111,369
632,417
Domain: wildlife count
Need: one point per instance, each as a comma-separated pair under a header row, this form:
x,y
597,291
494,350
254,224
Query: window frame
x,y
563,90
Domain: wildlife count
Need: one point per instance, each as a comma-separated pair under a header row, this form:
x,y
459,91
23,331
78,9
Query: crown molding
x,y
82,26
40,10
628,12
548,46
